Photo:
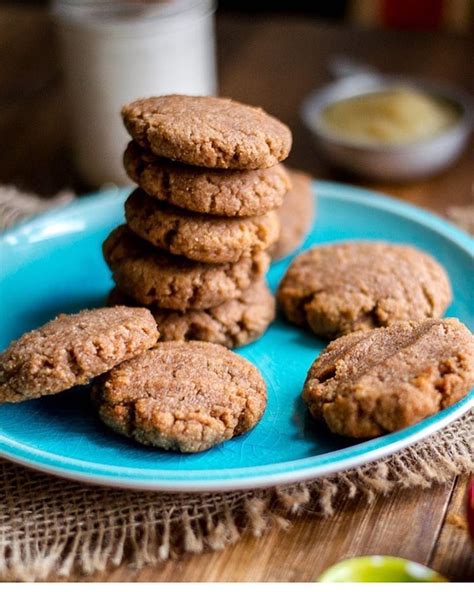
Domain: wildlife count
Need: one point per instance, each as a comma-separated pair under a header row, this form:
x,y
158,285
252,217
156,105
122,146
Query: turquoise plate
x,y
54,264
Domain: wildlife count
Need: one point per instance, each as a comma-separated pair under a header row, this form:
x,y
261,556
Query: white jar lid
x,y
127,12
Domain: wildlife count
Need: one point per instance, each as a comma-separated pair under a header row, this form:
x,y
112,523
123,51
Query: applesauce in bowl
x,y
387,127
393,116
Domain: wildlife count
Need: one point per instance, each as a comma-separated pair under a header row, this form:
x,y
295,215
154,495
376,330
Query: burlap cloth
x,y
52,526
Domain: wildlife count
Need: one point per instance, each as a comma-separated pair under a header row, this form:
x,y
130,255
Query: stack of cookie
x,y
194,249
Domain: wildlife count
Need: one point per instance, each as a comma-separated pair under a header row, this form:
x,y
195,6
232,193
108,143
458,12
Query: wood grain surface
x,y
273,62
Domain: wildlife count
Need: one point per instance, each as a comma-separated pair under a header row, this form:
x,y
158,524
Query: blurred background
x,y
57,78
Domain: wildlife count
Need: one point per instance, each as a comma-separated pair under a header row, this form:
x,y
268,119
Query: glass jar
x,y
115,51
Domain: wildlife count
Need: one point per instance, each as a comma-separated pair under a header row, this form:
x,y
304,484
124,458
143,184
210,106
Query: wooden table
x,y
273,62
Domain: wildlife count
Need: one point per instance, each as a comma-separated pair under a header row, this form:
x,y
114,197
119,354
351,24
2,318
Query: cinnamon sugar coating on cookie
x,y
182,396
152,276
372,382
207,191
233,323
210,132
72,349
205,238
344,287
296,214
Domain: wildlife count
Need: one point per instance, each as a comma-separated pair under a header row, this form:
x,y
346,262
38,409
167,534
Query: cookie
x,y
72,349
207,191
207,131
339,288
152,276
234,323
209,239
296,215
182,396
372,382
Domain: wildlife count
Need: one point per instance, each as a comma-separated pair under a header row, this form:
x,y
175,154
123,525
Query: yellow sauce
x,y
389,117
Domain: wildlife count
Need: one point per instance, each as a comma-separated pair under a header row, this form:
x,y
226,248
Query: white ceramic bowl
x,y
392,162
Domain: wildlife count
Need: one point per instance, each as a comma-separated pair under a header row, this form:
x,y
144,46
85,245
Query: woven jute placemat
x,y
53,526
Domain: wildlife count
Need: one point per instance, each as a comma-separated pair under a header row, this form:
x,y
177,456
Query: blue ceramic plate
x,y
54,264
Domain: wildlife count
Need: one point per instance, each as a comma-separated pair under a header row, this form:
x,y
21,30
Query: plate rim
x,y
270,474
396,442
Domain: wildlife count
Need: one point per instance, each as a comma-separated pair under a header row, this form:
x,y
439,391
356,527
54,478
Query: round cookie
x,y
182,396
209,132
233,323
207,191
72,349
372,382
199,237
344,287
152,276
296,215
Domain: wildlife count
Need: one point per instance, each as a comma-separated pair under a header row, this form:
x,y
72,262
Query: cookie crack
x,y
166,184
370,317
195,294
170,236
429,299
